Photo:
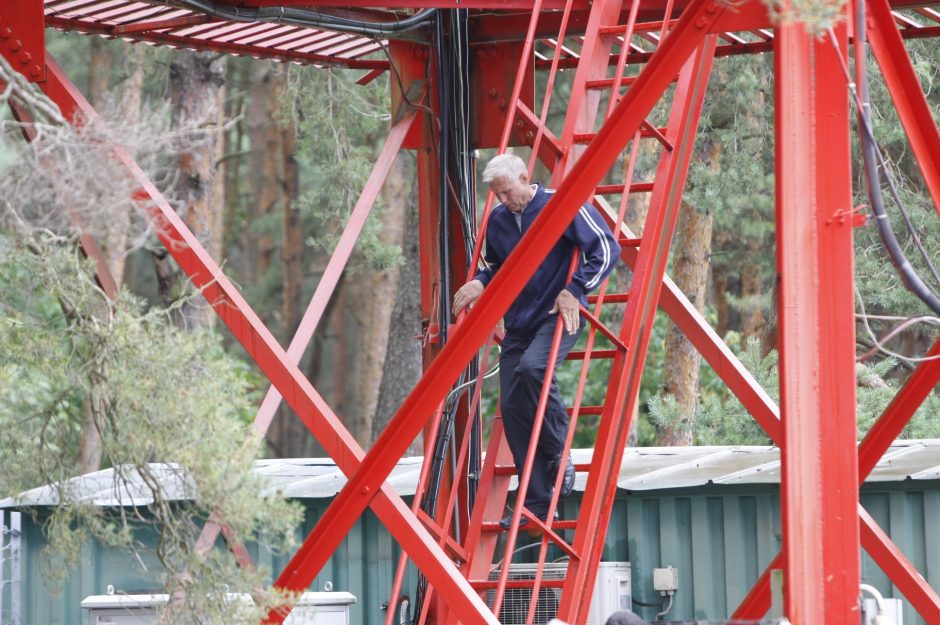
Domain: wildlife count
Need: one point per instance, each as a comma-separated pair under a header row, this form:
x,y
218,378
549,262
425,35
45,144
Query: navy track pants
x,y
522,364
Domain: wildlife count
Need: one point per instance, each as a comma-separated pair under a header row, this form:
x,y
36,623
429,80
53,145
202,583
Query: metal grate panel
x,y
516,603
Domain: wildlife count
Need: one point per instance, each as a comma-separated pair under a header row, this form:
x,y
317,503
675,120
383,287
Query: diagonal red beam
x,y
896,565
330,278
907,93
89,247
758,600
707,342
338,260
899,412
694,71
574,190
261,345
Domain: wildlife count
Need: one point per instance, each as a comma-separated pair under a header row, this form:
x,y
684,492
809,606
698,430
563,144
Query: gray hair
x,y
506,166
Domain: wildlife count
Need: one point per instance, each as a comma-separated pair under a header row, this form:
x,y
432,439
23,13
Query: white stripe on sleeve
x,y
604,245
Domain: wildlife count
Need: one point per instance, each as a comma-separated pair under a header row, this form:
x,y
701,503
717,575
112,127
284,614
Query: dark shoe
x,y
567,480
506,522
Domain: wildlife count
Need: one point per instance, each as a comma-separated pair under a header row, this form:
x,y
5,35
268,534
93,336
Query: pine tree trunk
x,y
197,96
682,360
292,247
752,290
234,166
131,92
722,305
402,366
264,160
372,299
89,451
100,64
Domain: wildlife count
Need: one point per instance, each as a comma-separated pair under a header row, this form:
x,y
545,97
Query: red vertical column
x,y
817,342
22,37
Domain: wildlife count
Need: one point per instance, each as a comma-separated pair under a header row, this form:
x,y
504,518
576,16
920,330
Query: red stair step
x,y
636,187
595,354
588,410
610,298
647,133
493,526
607,83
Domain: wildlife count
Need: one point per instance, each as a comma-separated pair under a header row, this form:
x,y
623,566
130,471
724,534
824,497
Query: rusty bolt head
x,y
493,92
35,70
529,136
519,123
16,44
25,58
5,32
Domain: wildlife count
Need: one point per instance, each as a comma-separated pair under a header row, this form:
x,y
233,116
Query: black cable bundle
x,y
452,53
871,158
305,17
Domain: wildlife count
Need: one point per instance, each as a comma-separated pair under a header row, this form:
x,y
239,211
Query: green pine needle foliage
x,y
341,128
160,394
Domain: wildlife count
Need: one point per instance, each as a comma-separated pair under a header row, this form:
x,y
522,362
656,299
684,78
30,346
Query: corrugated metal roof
x,y
642,469
161,23
176,27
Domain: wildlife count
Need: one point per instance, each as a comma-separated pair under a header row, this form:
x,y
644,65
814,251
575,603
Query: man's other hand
x,y
467,294
567,306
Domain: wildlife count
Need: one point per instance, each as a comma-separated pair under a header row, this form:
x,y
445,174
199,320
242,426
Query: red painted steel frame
x,y
706,341
899,412
329,279
899,569
86,242
907,93
349,504
693,58
194,43
290,382
889,425
22,37
819,490
817,370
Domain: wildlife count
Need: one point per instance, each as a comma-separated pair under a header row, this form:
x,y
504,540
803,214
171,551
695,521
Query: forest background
x,y
286,151
265,161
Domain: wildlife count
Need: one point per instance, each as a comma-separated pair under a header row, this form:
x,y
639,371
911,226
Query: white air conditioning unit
x,y
612,593
893,607
313,608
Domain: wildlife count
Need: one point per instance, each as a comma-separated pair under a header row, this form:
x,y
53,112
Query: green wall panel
x,y
719,537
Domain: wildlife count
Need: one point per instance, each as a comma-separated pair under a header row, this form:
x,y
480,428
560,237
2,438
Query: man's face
x,y
513,193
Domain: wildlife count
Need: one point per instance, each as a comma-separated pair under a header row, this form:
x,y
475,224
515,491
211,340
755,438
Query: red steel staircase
x,y
581,537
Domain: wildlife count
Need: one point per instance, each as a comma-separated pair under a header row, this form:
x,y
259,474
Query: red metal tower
x,y
815,427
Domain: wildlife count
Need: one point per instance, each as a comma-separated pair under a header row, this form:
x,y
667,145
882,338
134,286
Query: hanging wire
x,y
873,159
897,329
879,345
451,55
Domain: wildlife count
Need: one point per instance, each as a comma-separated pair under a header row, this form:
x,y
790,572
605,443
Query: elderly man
x,y
530,321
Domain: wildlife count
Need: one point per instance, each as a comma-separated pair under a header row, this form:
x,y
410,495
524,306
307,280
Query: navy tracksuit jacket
x,y
530,329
